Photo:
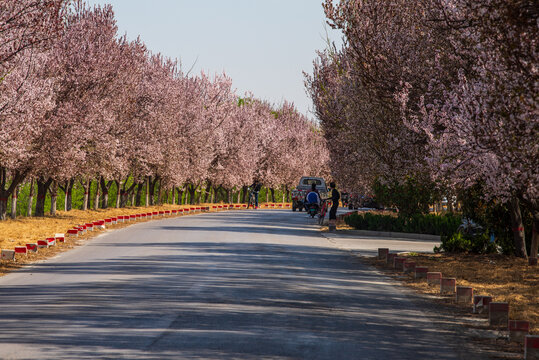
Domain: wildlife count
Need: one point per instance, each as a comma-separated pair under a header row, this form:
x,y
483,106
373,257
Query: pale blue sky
x,y
262,45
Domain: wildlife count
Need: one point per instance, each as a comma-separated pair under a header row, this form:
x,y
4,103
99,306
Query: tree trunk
x,y
138,201
160,193
267,196
287,195
207,194
191,188
125,192
86,200
518,228
69,195
64,189
30,199
132,198
42,188
272,190
105,186
6,191
180,196
150,195
14,203
148,179
213,198
3,208
68,190
96,200
118,193
244,194
535,235
54,197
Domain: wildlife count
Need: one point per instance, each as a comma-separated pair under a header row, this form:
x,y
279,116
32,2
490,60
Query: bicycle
x,y
323,211
252,199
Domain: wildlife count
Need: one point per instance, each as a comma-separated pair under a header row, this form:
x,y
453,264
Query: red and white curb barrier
x,y
421,272
448,286
32,247
23,250
498,314
42,244
73,232
480,303
531,347
8,254
398,263
434,278
464,295
518,329
409,267
390,259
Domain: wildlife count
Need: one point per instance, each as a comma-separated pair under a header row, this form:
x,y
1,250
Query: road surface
x,y
234,285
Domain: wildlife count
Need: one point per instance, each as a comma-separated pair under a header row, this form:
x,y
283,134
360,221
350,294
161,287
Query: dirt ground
x,y
506,279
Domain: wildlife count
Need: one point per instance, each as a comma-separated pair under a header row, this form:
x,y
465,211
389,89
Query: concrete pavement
x,y
237,285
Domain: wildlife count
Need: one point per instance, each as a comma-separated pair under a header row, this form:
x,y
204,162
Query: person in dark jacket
x,y
335,197
255,188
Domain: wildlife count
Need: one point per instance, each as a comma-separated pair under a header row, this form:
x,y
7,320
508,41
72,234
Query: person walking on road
x,y
335,197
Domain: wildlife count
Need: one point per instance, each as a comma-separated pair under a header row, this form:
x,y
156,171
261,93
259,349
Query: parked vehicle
x,y
304,186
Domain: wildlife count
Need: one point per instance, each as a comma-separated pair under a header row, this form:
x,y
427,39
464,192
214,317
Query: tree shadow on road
x,y
207,300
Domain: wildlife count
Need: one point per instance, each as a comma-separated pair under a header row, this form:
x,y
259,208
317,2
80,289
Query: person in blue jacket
x,y
312,198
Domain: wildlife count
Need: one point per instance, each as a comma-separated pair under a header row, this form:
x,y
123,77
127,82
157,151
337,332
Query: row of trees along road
x,y
439,93
80,104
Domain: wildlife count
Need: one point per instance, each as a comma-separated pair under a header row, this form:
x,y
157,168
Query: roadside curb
x,y
514,332
396,235
10,255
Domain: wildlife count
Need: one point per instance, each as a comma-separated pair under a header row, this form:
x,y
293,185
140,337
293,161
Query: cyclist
x,y
313,197
255,189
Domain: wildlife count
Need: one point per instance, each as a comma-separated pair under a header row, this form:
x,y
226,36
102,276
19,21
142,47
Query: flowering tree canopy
x,y
434,89
79,102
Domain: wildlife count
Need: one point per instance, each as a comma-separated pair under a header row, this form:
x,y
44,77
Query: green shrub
x,y
420,224
458,242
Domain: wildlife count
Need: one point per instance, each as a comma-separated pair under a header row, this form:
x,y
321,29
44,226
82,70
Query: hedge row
x,y
444,225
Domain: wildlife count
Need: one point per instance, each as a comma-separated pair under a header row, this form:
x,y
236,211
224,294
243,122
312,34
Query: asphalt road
x,y
237,285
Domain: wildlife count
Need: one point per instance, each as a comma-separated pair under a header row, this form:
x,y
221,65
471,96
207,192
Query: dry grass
x,y
504,278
